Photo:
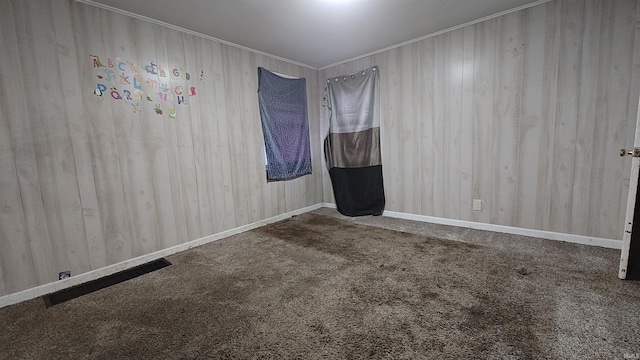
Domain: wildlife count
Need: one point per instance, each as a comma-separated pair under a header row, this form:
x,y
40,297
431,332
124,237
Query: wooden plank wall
x,y
526,112
87,182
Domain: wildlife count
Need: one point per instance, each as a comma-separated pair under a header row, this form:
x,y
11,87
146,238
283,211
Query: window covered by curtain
x,y
285,125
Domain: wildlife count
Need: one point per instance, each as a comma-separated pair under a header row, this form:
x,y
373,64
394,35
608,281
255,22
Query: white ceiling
x,y
316,33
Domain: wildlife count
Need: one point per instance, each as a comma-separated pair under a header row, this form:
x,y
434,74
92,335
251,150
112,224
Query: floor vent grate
x,y
95,285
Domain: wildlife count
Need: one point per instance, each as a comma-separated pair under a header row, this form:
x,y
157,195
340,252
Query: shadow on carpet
x,y
316,286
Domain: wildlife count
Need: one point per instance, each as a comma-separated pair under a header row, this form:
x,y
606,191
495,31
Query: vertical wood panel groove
x,y
548,99
531,129
88,182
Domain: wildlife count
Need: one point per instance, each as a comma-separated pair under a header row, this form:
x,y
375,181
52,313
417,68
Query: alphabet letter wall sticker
x,y
161,71
109,74
124,80
137,82
115,94
96,61
137,94
134,68
161,84
151,68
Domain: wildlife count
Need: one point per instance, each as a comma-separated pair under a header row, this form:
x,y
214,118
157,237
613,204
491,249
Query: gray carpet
x,y
321,286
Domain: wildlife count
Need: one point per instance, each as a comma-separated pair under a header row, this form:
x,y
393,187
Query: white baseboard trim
x,y
549,235
45,289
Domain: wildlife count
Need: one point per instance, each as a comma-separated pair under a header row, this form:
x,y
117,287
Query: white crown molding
x,y
191,32
526,6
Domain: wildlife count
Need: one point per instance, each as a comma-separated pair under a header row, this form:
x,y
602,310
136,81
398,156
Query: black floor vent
x,y
95,285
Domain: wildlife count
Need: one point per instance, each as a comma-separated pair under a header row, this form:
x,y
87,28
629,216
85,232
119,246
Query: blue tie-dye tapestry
x,y
285,125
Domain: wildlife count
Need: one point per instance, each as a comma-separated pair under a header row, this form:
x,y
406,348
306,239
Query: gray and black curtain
x,y
352,147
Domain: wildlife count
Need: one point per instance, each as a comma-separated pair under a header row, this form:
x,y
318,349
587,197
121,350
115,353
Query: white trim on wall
x,y
158,22
45,289
489,17
191,32
548,235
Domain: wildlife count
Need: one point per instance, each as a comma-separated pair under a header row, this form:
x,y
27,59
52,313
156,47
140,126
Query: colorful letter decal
x,y
124,80
100,88
115,94
158,83
96,61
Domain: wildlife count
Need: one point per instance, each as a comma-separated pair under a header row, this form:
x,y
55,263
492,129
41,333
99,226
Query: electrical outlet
x,y
477,204
64,275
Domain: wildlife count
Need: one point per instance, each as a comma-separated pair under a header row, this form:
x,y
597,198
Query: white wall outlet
x,y
477,204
